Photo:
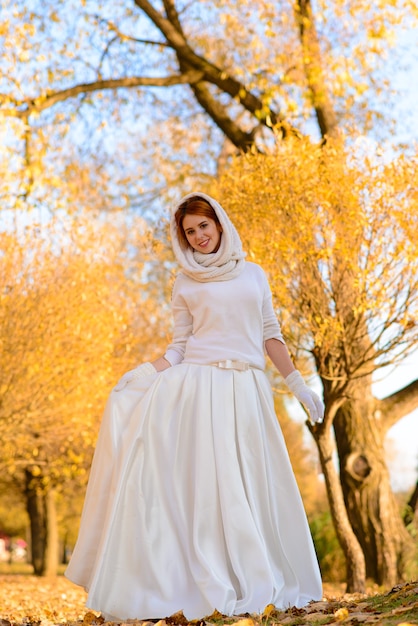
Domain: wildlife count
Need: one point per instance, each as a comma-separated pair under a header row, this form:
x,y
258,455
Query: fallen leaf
x,y
215,616
92,618
268,610
177,619
245,622
341,614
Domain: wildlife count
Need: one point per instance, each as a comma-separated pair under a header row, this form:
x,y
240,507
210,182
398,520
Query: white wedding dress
x,y
192,504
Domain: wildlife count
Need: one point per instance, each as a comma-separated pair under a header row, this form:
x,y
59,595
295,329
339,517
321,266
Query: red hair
x,y
192,206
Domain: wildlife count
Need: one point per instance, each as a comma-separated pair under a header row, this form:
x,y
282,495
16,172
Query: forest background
x,y
294,115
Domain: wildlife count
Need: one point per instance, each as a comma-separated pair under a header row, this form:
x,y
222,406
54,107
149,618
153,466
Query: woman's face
x,y
202,233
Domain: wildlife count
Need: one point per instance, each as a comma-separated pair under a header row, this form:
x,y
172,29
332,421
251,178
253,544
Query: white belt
x,y
231,364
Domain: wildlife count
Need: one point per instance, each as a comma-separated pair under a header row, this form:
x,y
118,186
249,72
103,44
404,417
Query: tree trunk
x,y
40,505
356,571
52,537
371,506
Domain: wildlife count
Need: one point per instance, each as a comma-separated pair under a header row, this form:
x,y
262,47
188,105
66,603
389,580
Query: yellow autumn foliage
x,y
74,315
337,236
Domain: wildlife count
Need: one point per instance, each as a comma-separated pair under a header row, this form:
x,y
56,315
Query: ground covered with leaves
x,y
30,601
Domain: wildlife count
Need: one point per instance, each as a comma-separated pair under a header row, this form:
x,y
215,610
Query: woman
x,y
192,504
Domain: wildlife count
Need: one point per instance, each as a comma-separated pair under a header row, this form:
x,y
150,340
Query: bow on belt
x,y
231,364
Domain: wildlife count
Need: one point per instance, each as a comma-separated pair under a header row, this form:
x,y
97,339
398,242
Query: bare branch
x,y
213,74
26,107
193,69
397,405
124,37
173,15
321,100
105,52
219,115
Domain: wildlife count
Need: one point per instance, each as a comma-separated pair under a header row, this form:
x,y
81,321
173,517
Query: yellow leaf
x,y
215,616
268,610
245,622
341,614
92,618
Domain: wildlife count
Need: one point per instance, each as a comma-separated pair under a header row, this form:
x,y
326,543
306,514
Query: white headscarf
x,y
224,264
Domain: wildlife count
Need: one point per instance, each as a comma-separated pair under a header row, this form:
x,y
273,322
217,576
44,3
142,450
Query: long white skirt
x,y
192,504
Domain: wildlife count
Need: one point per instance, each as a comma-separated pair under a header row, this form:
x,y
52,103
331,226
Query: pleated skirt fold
x,y
192,504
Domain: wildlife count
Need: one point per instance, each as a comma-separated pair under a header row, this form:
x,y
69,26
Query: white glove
x,y
306,396
142,370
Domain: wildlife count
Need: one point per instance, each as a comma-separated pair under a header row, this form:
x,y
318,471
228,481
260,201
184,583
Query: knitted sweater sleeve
x,y
183,326
271,326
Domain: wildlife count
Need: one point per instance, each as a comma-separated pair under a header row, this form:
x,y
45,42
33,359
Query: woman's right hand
x,y
146,369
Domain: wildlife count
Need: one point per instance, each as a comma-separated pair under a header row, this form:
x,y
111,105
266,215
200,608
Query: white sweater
x,y
220,320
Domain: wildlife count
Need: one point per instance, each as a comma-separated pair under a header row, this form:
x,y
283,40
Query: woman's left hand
x,y
306,396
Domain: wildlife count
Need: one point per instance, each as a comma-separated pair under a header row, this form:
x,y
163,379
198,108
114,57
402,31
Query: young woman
x,y
192,503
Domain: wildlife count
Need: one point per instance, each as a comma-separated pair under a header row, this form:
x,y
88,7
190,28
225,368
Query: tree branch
x,y
172,15
213,74
24,108
194,71
218,113
124,37
314,73
241,139
397,405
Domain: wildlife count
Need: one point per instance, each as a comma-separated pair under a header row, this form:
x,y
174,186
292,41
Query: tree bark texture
x,y
355,563
371,506
52,536
40,504
359,426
